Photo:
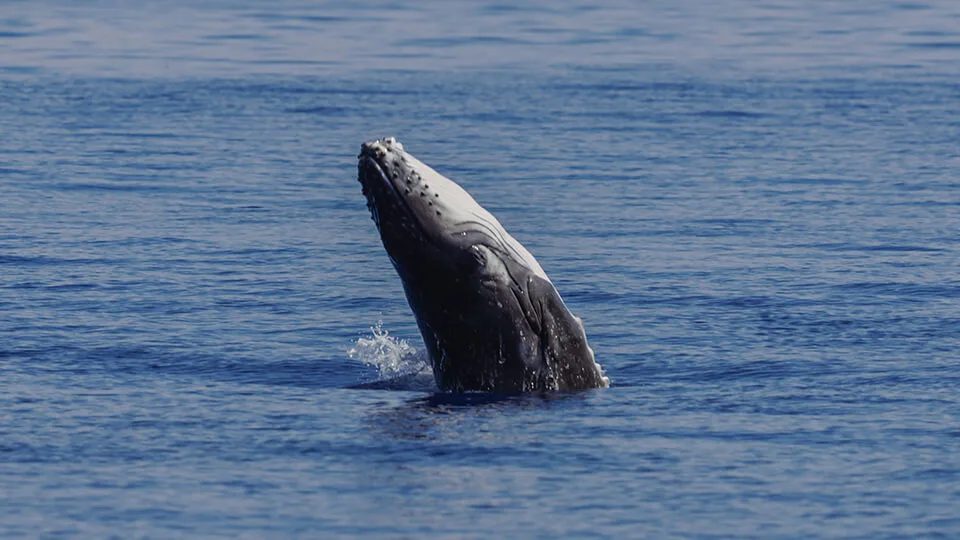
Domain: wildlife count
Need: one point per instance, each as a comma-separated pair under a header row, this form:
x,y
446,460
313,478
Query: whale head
x,y
423,215
489,315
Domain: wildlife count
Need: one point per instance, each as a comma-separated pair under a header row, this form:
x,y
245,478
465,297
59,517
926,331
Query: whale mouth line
x,y
405,214
371,162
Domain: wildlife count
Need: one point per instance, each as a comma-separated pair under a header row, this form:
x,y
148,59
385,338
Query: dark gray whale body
x,y
490,318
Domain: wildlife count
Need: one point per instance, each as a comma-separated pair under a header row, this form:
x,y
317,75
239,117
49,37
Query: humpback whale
x,y
490,318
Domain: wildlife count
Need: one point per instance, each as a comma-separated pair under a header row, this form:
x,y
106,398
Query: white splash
x,y
391,356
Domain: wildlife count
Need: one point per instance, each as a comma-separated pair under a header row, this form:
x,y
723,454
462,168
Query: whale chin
x,y
490,318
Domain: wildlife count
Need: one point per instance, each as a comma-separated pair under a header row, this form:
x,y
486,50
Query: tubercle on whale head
x,y
379,147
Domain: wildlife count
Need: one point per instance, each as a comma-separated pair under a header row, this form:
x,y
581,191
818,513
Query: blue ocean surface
x,y
754,206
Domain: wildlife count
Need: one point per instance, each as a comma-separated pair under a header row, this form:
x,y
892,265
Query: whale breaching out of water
x,y
490,318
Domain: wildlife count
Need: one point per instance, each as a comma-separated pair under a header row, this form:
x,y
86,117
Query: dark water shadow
x,y
413,382
442,416
467,400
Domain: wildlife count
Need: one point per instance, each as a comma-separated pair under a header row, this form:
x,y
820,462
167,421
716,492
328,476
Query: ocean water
x,y
754,206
